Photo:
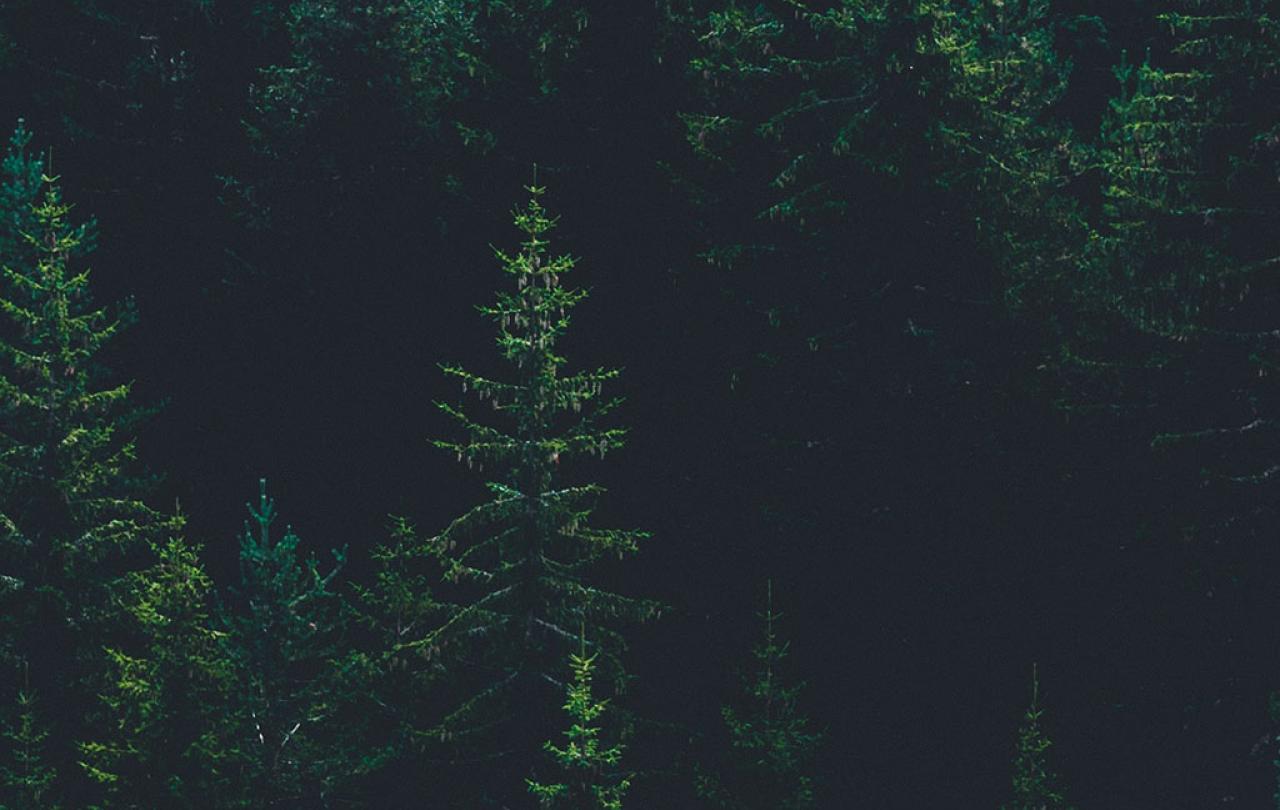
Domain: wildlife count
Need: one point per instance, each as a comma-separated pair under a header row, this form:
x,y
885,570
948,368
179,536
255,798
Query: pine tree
x,y
282,628
589,770
1035,786
72,522
21,179
172,741
517,569
771,742
397,697
26,778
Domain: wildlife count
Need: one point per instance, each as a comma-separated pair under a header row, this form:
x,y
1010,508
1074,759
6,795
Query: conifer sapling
x,y
771,743
589,769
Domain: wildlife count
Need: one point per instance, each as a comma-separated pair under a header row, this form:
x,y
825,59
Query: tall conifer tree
x,y
72,522
517,569
1178,294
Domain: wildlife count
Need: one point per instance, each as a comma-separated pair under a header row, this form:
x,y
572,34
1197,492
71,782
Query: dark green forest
x,y
770,405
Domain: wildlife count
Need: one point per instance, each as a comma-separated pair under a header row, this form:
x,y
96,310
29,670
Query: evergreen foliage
x,y
282,628
395,689
72,525
26,779
386,70
1179,271
527,552
22,179
589,769
820,120
944,263
517,569
171,742
846,153
1175,297
1035,785
771,741
435,76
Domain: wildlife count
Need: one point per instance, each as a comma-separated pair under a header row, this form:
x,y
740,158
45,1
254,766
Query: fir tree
x,y
26,778
518,568
398,688
172,739
21,179
771,742
589,770
282,628
1035,786
72,523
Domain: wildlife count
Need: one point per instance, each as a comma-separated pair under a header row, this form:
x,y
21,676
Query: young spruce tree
x,y
771,743
517,569
21,180
171,739
398,698
25,775
1035,786
590,776
282,629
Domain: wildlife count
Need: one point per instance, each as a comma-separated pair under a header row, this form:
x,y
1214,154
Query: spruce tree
x,y
398,695
589,770
516,570
771,743
172,737
26,778
282,627
21,179
1035,785
72,523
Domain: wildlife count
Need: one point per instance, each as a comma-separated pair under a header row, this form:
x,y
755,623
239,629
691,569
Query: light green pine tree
x,y
73,526
26,778
590,777
1035,785
173,741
